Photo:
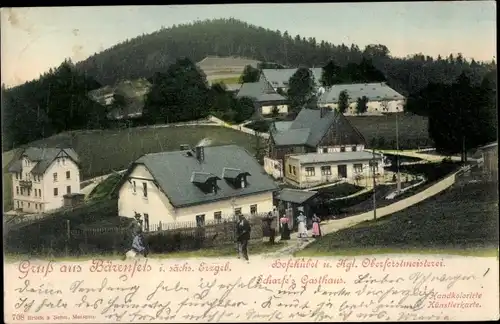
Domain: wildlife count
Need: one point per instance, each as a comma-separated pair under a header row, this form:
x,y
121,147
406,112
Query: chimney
x,y
200,153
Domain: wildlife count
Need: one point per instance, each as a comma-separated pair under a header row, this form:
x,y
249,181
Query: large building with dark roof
x,y
202,184
381,98
41,177
321,138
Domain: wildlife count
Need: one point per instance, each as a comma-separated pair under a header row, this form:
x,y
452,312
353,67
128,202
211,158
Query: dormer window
x,y
207,182
236,177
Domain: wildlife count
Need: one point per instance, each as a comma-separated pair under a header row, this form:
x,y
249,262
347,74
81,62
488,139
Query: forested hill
x,y
147,54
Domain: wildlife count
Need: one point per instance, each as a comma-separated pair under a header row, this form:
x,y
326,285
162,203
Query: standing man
x,y
243,236
273,223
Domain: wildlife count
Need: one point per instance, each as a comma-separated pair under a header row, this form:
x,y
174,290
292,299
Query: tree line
x,y
146,54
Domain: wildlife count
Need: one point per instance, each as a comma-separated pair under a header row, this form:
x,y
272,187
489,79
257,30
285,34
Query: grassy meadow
x,y
104,151
461,220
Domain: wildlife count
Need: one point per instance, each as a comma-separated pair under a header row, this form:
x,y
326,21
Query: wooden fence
x,y
180,236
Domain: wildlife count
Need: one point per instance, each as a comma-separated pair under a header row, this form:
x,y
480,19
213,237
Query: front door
x,y
342,171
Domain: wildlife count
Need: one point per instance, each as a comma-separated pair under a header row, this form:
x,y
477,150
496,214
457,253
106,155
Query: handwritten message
x,y
218,290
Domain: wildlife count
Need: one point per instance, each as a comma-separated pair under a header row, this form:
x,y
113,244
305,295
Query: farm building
x,y
313,131
42,176
279,78
489,157
381,97
225,64
133,94
202,184
264,97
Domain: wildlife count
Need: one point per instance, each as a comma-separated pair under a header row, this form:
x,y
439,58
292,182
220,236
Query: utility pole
x,y
397,155
373,163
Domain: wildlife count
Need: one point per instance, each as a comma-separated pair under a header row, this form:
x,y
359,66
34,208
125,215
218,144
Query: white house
x,y
41,177
202,184
309,170
381,97
279,78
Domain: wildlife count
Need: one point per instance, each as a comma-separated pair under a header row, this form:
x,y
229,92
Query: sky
x,y
36,39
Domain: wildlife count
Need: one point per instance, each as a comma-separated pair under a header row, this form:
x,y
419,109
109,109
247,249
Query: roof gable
x,y
44,158
174,172
260,91
280,77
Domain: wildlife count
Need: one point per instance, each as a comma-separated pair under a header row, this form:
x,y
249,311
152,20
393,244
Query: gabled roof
x,y
309,128
173,171
44,158
279,78
373,91
260,91
295,195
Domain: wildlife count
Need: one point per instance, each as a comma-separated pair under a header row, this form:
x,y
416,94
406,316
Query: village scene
x,y
222,138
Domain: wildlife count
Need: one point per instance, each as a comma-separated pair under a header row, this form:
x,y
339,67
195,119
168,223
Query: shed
x,y
73,199
291,201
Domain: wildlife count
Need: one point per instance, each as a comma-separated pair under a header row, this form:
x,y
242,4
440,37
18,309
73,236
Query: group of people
x,y
243,230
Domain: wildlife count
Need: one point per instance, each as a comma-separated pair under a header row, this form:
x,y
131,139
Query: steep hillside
x,y
146,54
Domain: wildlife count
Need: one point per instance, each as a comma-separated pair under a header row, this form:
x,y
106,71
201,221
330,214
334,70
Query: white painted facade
x,y
268,110
158,208
34,193
273,167
313,174
345,148
373,107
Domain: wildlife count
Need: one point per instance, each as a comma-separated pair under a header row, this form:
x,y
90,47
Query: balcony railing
x,y
26,183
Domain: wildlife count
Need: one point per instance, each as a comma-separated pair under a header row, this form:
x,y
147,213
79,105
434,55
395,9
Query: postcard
x,y
250,163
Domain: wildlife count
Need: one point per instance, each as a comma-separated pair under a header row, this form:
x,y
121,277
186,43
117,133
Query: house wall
x,y
490,158
273,167
159,208
41,196
303,179
54,202
268,109
292,170
373,106
348,148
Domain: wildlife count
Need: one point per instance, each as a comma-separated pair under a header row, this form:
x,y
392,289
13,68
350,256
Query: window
x,y
342,149
56,192
68,174
326,170
145,189
20,176
64,161
309,171
68,189
358,167
17,175
55,177
218,216
29,192
325,149
289,168
134,187
200,220
18,206
237,211
293,171
146,222
243,182
29,205
22,204
36,206
39,192
354,148
253,209
17,190
36,192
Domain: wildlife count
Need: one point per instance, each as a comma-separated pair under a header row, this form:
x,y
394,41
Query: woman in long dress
x,y
316,231
302,228
285,229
